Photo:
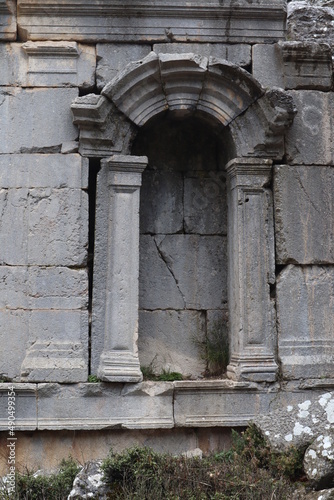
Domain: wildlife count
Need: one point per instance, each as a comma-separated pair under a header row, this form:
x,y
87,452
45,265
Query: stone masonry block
x,y
309,141
304,214
161,209
268,65
48,64
157,286
8,25
305,317
25,408
205,207
43,288
199,265
104,406
43,226
36,120
112,57
168,341
43,171
239,54
14,335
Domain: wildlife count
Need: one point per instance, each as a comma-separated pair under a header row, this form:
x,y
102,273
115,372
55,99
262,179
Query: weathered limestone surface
x,y
304,214
205,206
161,207
48,64
293,65
14,335
318,463
309,140
25,406
311,20
199,270
298,424
49,124
168,341
306,321
142,21
147,405
89,482
239,54
157,286
111,58
7,20
44,210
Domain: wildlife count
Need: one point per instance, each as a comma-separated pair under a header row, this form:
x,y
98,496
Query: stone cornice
x,y
164,20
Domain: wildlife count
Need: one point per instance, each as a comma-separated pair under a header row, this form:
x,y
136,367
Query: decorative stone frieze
x,y
115,294
251,271
165,21
7,20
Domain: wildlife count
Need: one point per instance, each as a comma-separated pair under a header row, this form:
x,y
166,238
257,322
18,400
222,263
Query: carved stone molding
x,y
184,84
165,20
7,20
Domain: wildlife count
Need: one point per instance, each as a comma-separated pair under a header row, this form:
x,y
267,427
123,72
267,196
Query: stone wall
x,y
233,110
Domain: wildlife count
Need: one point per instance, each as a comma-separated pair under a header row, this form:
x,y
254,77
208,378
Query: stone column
x,y
251,271
117,230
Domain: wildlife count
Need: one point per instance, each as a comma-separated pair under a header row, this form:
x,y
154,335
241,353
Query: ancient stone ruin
x,y
166,173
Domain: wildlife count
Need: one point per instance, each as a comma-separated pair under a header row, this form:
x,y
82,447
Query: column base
x,y
255,369
59,362
119,366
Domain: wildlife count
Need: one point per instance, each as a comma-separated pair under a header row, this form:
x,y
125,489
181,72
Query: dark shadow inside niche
x,y
183,243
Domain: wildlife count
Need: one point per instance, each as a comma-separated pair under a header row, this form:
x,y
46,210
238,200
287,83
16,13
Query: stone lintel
x,y
262,21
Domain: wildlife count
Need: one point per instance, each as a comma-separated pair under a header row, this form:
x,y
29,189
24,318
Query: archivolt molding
x,y
184,84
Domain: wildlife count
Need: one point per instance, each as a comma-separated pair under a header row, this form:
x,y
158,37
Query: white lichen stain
x,y
329,409
312,454
327,442
288,437
305,405
289,408
267,433
299,429
324,398
315,420
303,414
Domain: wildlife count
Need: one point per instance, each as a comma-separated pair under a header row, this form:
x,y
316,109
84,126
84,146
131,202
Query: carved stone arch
x,y
228,96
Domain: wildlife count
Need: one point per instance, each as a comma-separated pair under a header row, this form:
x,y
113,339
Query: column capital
x,y
255,172
125,163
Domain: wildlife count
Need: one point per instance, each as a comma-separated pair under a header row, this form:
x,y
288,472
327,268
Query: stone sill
x,y
149,405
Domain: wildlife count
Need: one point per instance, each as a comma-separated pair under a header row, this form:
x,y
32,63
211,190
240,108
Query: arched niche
x,y
253,122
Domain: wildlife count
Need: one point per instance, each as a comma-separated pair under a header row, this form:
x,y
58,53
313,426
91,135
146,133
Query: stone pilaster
x,y
118,324
251,271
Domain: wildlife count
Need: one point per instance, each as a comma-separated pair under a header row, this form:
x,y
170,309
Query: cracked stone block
x,y
205,207
112,57
199,266
161,209
157,286
304,214
43,171
168,340
309,139
50,120
14,335
305,318
48,64
43,226
239,54
148,405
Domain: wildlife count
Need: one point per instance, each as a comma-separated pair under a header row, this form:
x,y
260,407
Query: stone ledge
x,y
148,405
186,21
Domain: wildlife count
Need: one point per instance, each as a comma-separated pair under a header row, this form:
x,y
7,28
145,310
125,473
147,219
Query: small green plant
x,y
164,376
4,379
93,379
48,487
214,349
